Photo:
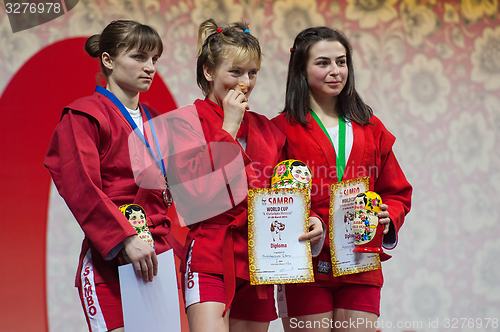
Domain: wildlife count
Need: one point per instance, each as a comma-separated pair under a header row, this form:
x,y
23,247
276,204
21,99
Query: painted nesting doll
x,y
137,218
367,231
291,174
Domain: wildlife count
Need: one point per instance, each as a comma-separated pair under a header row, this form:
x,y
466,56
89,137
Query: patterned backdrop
x,y
429,69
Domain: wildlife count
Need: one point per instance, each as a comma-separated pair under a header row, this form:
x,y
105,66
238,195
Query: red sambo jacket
x,y
90,165
371,156
211,175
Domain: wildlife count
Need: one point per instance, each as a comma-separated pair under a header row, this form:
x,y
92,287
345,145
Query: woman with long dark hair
x,y
331,129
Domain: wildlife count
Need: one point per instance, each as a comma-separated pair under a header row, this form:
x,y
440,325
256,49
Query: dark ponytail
x,y
92,46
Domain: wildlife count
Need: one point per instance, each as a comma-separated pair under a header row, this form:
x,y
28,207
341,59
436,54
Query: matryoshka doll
x,y
367,231
291,173
137,218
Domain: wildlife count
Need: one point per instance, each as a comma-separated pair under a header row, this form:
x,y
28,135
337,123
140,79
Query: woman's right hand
x,y
234,105
142,256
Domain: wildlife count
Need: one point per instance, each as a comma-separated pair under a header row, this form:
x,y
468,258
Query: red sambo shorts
x,y
324,296
201,287
101,302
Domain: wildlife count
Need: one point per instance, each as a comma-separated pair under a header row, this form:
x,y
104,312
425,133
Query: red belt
x,y
229,266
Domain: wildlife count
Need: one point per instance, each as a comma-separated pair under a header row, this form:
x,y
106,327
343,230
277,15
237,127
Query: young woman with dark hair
x,y
331,129
90,164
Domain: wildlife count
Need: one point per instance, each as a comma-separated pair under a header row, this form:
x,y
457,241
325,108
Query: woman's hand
x,y
142,256
383,218
315,231
234,105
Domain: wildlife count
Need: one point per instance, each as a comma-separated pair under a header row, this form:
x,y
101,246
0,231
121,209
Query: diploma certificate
x,y
344,261
276,219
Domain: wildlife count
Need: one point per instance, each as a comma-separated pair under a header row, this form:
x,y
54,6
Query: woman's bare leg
x,y
354,321
207,317
238,325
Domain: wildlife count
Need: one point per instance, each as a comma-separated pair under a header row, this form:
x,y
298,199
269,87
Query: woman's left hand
x,y
383,218
315,231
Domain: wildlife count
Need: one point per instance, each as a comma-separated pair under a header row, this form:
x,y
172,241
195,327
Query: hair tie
x,y
218,30
246,31
292,49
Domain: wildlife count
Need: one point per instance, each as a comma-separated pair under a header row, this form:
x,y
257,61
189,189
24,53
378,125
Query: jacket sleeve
x,y
288,153
393,188
73,160
200,167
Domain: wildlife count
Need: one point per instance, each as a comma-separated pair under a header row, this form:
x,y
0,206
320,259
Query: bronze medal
x,y
167,195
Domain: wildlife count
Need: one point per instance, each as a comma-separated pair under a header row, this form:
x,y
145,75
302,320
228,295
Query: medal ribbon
x,y
340,156
158,160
